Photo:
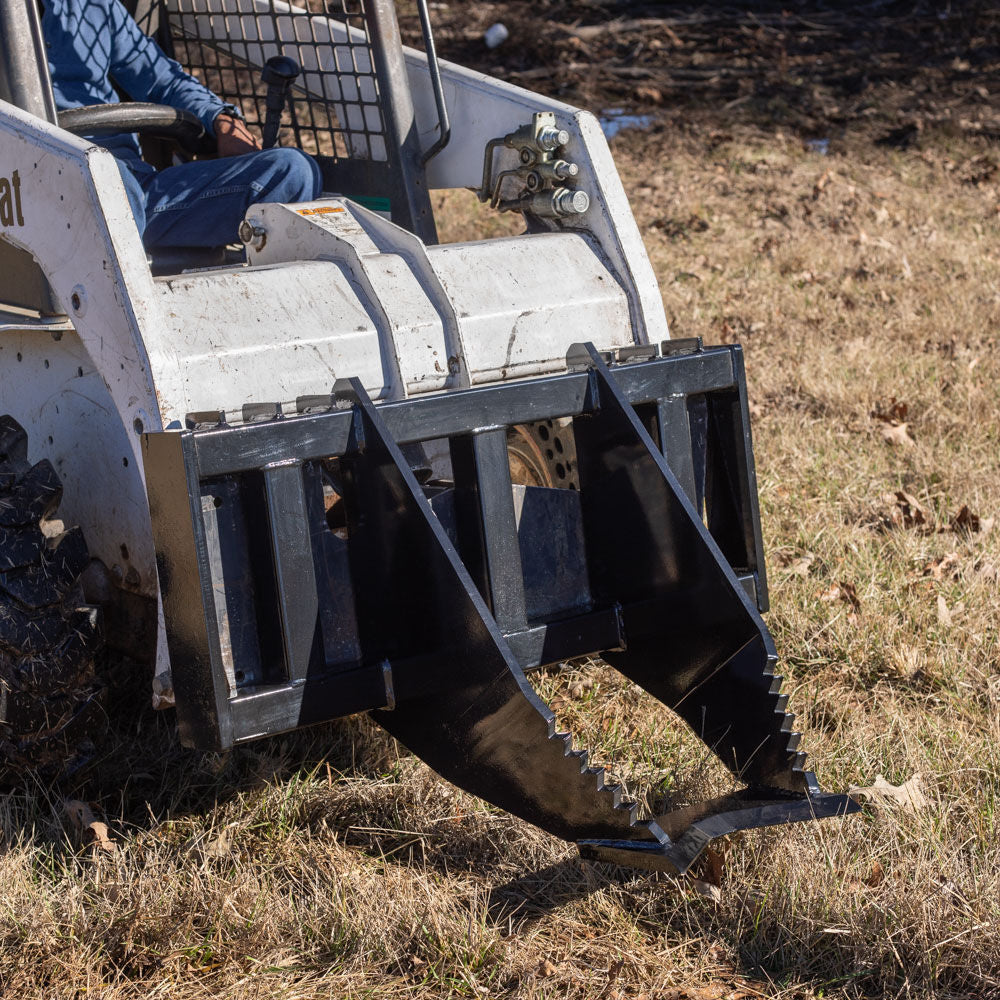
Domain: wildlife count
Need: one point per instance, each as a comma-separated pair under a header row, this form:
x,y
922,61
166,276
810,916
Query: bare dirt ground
x,y
886,71
863,280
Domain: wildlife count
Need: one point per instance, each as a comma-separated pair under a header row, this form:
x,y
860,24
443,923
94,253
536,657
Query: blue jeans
x,y
201,204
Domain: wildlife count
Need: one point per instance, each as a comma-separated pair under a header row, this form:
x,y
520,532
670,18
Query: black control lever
x,y
279,74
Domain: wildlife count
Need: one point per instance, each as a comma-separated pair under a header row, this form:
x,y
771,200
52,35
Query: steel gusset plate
x,y
694,640
465,707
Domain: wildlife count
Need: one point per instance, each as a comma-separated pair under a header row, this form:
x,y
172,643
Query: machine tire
x,y
50,698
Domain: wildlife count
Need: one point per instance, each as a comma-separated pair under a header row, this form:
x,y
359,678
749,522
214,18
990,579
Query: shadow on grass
x,y
140,774
380,808
359,783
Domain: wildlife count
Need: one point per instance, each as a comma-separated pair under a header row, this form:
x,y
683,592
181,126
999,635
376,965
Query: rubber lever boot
x,y
279,74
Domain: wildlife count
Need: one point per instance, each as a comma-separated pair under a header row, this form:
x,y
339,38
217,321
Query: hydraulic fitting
x,y
551,138
544,176
557,204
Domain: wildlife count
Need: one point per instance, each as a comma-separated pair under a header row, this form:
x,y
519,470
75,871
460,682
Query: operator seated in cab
x,y
92,43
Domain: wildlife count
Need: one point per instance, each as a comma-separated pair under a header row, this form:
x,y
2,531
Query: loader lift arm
x,y
426,613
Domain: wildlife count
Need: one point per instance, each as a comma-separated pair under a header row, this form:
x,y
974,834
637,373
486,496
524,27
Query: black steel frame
x,y
417,611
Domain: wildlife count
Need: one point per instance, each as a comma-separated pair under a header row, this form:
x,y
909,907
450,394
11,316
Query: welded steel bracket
x,y
307,574
735,814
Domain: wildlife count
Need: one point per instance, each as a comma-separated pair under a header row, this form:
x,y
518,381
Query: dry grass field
x,y
864,286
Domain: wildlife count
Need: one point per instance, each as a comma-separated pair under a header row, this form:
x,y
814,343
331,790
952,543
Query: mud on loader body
x,y
310,443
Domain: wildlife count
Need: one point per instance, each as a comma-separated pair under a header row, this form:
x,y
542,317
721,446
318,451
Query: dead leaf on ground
x,y
613,973
706,878
221,846
943,567
989,572
89,826
967,523
902,510
801,566
711,867
821,183
876,876
796,565
703,888
163,692
898,435
894,412
649,95
943,614
842,591
546,969
908,796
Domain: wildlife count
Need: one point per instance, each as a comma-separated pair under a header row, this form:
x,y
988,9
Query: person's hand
x,y
233,137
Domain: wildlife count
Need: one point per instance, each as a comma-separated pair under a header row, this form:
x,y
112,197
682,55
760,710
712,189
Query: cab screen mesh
x,y
334,110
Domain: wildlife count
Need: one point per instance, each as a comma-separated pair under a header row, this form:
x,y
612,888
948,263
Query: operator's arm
x,y
140,67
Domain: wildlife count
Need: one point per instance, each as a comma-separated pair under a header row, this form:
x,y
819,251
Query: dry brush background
x,y
860,273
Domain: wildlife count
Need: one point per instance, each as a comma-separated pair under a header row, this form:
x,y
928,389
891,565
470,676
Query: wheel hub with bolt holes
x,y
543,453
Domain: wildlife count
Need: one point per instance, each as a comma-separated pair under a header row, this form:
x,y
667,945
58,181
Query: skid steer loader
x,y
345,468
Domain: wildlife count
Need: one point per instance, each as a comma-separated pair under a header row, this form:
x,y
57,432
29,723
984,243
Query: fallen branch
x,y
590,32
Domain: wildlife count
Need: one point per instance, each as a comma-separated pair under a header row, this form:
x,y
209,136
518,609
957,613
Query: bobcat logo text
x,y
10,201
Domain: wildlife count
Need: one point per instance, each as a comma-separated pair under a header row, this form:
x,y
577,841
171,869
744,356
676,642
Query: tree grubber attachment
x,y
306,574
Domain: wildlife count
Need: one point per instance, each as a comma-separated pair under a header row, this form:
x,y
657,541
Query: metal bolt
x,y
568,201
527,156
559,170
253,236
533,181
550,138
558,204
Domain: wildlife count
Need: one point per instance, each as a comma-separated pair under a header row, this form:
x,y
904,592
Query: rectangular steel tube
x,y
236,449
482,477
293,564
